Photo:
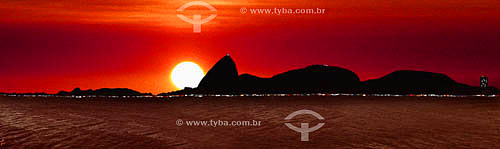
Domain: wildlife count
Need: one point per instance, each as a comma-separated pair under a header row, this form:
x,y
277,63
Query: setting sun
x,y
186,74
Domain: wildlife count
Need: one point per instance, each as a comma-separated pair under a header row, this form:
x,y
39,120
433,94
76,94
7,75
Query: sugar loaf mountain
x,y
223,78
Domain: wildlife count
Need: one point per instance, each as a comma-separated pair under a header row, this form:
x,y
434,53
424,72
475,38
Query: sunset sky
x,y
53,45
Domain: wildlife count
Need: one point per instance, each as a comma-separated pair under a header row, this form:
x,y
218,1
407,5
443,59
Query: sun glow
x,y
186,74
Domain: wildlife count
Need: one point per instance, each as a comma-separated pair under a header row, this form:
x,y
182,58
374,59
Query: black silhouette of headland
x,y
103,92
89,92
223,78
418,82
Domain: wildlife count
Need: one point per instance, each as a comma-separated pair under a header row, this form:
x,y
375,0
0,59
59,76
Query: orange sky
x,y
163,13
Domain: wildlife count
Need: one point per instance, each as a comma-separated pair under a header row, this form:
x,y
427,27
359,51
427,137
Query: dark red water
x,y
350,122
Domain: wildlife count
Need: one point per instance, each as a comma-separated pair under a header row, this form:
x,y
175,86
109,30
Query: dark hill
x,y
315,78
222,76
408,82
253,84
102,92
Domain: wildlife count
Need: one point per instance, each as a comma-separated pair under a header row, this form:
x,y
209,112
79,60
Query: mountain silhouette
x,y
253,84
102,92
316,78
408,81
223,78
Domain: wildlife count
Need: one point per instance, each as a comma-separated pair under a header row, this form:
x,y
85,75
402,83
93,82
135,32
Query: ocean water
x,y
350,122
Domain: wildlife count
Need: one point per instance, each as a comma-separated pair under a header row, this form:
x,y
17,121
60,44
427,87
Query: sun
x,y
186,74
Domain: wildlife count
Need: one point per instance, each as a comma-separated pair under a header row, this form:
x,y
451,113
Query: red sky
x,y
52,45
